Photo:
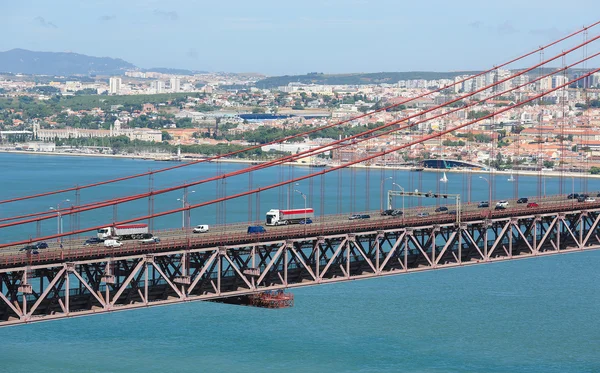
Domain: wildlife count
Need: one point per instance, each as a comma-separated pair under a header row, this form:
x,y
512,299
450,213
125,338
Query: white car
x,y
150,240
590,199
502,203
202,228
112,243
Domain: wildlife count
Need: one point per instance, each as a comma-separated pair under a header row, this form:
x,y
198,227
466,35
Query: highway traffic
x,y
238,232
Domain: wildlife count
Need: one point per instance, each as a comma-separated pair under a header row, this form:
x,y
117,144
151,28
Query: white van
x,y
203,228
112,243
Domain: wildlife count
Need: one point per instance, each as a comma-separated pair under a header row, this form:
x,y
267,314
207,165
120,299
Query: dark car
x,y
452,212
92,241
397,212
441,208
581,199
305,221
573,196
358,216
364,216
523,200
483,204
28,248
35,247
388,212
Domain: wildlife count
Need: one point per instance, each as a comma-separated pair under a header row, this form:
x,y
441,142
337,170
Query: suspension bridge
x,y
67,277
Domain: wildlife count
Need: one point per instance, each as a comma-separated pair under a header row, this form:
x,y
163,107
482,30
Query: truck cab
x,y
273,218
104,233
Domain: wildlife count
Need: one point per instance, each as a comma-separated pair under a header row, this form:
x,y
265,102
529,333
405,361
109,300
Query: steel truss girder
x,y
59,290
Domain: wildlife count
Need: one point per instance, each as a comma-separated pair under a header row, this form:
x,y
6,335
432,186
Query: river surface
x,y
534,315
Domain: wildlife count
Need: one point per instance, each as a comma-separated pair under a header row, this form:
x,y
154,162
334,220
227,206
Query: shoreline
x,y
155,158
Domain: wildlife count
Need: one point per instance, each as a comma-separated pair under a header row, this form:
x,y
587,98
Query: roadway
x,y
237,232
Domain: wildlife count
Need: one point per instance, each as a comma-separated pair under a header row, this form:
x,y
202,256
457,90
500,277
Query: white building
x,y
143,134
38,146
596,80
158,86
559,80
175,84
114,85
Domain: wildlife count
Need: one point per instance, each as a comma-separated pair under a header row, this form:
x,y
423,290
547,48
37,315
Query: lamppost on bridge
x,y
184,204
402,189
59,219
304,197
288,193
381,192
489,190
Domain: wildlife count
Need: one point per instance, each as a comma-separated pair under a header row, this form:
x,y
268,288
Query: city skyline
x,y
276,38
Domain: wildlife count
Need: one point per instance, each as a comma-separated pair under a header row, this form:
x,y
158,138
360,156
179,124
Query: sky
x,y
294,37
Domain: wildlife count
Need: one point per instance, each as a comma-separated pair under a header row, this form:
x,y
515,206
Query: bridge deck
x,y
236,233
85,281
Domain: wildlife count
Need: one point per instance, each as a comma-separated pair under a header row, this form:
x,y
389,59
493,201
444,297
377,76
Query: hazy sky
x,y
294,37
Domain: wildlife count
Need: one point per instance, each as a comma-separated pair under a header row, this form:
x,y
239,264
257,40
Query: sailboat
x,y
511,178
444,179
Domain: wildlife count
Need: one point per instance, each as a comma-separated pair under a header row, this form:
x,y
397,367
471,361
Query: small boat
x,y
444,179
417,169
511,178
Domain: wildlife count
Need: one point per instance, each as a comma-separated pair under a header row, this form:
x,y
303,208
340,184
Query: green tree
x,y
185,123
363,109
482,138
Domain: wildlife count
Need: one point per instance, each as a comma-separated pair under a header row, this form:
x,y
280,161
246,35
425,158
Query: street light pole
x,y
59,218
381,192
402,189
184,203
304,197
288,194
489,191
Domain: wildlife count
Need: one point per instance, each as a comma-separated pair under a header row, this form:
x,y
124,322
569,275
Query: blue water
x,y
535,315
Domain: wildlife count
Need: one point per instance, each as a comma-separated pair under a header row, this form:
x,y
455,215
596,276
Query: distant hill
x,y
166,70
355,79
59,63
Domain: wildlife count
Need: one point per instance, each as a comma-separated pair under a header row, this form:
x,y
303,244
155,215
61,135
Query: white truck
x,y
125,232
284,217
